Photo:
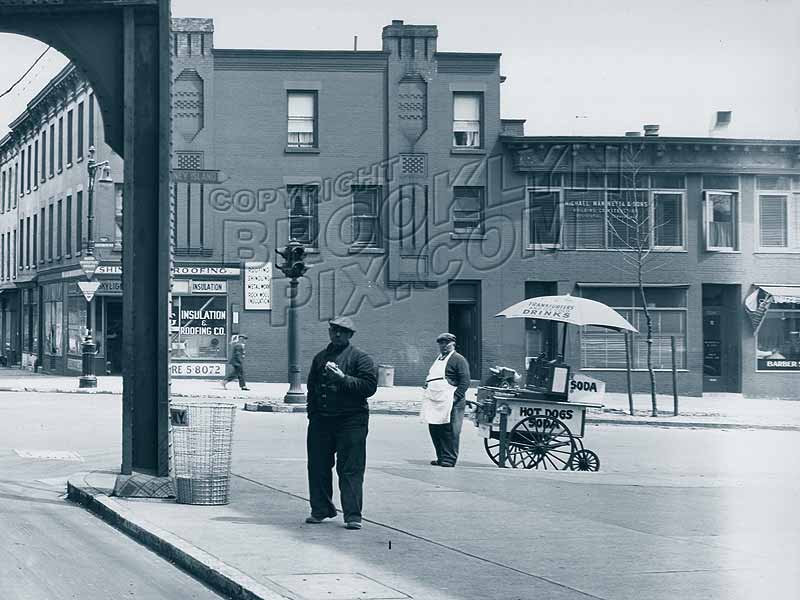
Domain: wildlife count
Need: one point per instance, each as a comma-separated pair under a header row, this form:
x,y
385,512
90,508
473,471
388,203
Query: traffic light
x,y
294,259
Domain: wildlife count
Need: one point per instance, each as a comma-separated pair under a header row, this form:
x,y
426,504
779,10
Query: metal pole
x,y
563,343
89,347
628,370
503,437
295,395
674,378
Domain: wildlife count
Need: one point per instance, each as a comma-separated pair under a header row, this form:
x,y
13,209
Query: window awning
x,y
773,294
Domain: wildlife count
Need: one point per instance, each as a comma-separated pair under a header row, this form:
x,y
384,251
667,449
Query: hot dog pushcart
x,y
541,425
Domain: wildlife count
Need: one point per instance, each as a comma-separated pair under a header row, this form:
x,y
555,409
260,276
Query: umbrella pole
x,y
563,343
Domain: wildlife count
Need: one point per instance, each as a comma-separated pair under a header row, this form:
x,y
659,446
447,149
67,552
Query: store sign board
x,y
89,264
88,288
110,287
778,364
197,176
209,287
197,369
205,271
258,286
109,270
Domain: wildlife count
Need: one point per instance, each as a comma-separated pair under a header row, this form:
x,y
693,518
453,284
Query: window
x,y
668,219
59,229
302,111
41,236
303,213
778,214
50,213
467,120
53,319
69,138
34,239
366,200
605,349
720,219
60,143
91,120
78,222
52,149
21,249
80,130
778,338
28,242
467,210
68,229
35,163
76,322
3,194
44,156
544,221
198,327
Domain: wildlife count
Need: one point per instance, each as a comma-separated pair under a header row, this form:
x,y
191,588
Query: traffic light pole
x,y
295,395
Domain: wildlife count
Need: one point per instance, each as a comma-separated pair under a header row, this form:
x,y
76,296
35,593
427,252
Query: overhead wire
x,y
25,74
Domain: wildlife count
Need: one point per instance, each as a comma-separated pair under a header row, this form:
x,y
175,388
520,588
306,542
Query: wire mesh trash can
x,y
385,376
202,437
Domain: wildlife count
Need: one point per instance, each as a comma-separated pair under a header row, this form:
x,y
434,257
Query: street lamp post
x,y
293,268
89,346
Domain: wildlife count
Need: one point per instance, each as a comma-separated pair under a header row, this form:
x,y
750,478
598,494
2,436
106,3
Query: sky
x,y
573,67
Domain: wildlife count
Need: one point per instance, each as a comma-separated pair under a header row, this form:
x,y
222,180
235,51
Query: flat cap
x,y
446,337
343,322
242,336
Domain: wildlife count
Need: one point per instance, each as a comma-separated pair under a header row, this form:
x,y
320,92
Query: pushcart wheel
x,y
585,460
492,446
539,442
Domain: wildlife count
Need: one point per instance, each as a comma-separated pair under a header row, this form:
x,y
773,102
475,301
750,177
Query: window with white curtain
x,y
365,215
721,220
303,213
778,214
302,120
467,120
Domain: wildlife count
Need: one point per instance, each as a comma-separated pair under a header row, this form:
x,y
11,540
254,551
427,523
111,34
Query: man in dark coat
x,y
340,380
446,437
236,361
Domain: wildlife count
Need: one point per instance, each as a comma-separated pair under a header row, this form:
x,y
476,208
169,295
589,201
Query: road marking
x,y
49,454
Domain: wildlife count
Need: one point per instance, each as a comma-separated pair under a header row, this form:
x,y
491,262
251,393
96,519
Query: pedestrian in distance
x,y
444,400
236,362
340,380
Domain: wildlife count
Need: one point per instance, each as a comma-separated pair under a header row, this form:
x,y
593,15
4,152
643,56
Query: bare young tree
x,y
632,228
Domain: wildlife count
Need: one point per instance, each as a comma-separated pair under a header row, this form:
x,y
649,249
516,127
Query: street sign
x,y
88,288
89,265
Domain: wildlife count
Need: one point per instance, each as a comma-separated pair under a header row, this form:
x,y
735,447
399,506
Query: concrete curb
x,y
218,575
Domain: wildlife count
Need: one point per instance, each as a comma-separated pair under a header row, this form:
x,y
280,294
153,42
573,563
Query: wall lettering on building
x,y
205,271
209,287
773,364
258,286
197,369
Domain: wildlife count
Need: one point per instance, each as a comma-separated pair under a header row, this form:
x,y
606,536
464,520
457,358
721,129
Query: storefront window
x,y
76,323
605,349
198,327
778,339
53,320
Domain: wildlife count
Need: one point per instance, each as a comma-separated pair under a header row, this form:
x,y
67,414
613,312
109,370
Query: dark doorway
x,y
113,337
464,321
721,339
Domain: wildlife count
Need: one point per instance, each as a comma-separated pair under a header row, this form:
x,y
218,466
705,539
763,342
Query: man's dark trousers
x,y
237,372
447,436
346,438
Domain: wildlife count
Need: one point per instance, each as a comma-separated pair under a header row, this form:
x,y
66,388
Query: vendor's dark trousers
x,y
237,371
343,441
446,437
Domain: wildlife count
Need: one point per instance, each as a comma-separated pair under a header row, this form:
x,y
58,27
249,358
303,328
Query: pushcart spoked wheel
x,y
585,460
538,442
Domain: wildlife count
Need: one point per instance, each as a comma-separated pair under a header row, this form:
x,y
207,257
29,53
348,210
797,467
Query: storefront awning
x,y
770,294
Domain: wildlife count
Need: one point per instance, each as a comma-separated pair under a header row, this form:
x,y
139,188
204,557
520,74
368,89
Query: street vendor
x,y
443,400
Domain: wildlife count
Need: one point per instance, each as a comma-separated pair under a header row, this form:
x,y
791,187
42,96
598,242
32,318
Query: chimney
x,y
410,42
722,122
651,130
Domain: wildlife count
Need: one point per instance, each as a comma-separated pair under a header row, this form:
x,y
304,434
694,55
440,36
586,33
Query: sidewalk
x,y
711,410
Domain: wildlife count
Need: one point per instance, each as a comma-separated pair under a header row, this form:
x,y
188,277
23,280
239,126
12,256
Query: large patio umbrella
x,y
568,310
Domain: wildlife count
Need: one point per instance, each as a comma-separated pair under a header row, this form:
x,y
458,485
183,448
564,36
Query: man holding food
x,y
340,380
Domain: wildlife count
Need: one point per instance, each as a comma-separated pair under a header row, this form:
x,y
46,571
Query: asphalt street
x,y
683,513
52,549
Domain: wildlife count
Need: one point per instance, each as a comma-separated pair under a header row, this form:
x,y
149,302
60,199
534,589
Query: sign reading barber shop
x,y
778,364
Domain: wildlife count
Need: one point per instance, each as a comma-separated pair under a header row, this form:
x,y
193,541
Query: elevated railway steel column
x,y
122,46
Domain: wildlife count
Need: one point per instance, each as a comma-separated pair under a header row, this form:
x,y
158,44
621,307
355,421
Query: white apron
x,y
437,398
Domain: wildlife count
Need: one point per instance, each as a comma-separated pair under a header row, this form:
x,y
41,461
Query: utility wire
x,y
25,73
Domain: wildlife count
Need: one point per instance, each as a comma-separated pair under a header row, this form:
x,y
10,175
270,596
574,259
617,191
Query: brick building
x,y
422,211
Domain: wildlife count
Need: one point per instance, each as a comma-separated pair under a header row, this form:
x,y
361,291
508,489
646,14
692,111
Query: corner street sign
x,y
197,176
89,265
88,288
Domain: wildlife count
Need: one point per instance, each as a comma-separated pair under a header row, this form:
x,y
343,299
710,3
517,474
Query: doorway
x,y
113,336
464,321
721,339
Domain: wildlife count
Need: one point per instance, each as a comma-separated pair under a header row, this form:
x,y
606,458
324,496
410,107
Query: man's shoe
x,y
311,519
446,465
224,385
352,525
245,389
435,463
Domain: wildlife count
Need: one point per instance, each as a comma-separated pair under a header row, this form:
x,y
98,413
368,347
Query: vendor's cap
x,y
344,323
242,336
446,337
